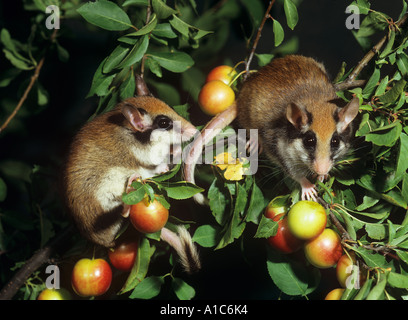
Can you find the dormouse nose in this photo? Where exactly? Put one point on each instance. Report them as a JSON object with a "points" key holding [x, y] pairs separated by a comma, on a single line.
{"points": [[322, 166]]}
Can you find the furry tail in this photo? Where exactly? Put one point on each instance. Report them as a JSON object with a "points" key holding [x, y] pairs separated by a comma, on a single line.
{"points": [[185, 248]]}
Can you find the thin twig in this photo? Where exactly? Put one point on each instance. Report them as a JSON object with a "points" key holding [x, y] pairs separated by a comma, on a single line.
{"points": [[258, 36], [34, 78]]}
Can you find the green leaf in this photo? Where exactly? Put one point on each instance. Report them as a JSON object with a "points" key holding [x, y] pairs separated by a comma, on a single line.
{"points": [[105, 14], [137, 52], [256, 205], [240, 200], [217, 201], [134, 196], [186, 29], [128, 87], [141, 265], [289, 275], [182, 290], [278, 32], [181, 190], [291, 13], [390, 43], [148, 288], [393, 94], [372, 83], [173, 61], [17, 62], [206, 236], [10, 45], [267, 228], [397, 280], [402, 164], [365, 289], [376, 231], [136, 2], [264, 59], [374, 260], [167, 175], [164, 30], [363, 6], [385, 136], [162, 10], [146, 29], [115, 58], [100, 82], [233, 231], [378, 290], [402, 63]]}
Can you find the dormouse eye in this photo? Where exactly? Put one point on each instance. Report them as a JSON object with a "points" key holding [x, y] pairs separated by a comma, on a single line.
{"points": [[335, 142], [164, 122], [309, 141]]}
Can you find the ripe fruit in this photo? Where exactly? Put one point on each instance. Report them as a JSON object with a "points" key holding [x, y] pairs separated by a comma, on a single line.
{"points": [[224, 73], [275, 207], [283, 241], [325, 250], [123, 256], [215, 96], [148, 217], [54, 294], [91, 277], [335, 294], [343, 269], [307, 219]]}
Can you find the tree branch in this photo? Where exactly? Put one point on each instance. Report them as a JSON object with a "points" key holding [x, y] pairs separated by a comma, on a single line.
{"points": [[31, 265], [34, 78], [258, 36], [366, 59]]}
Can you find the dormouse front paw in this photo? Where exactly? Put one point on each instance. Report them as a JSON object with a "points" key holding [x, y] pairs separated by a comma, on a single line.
{"points": [[162, 168], [309, 191]]}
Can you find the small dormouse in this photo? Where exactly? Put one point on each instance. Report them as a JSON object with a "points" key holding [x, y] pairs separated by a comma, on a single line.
{"points": [[108, 153], [300, 123]]}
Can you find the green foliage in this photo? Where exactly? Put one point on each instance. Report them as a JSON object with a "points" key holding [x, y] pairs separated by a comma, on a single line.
{"points": [[172, 44]]}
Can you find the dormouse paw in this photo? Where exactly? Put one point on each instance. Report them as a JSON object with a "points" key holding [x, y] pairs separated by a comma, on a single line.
{"points": [[162, 168], [133, 177], [309, 193]]}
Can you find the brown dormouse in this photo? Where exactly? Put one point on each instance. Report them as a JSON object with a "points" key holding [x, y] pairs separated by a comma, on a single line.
{"points": [[302, 125], [132, 141]]}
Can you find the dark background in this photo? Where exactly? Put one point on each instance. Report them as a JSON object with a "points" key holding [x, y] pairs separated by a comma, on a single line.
{"points": [[43, 139]]}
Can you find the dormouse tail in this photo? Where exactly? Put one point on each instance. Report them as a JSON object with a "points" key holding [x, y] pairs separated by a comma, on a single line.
{"points": [[185, 248]]}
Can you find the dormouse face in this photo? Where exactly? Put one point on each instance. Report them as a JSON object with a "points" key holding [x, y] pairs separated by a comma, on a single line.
{"points": [[322, 136], [157, 128]]}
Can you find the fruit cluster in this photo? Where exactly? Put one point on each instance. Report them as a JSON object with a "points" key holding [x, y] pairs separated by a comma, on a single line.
{"points": [[217, 95], [93, 277], [304, 226]]}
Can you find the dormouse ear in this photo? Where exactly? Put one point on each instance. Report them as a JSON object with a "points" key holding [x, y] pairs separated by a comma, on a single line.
{"points": [[347, 114], [134, 116], [297, 116]]}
